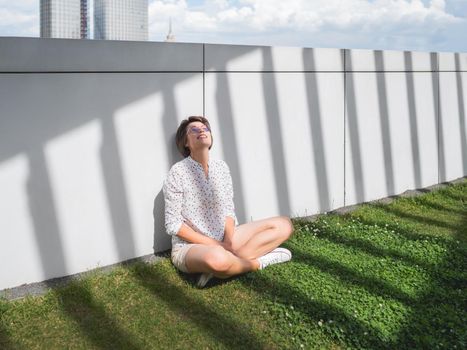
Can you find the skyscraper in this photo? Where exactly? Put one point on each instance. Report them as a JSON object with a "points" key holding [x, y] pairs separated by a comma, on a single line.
{"points": [[121, 19], [64, 19]]}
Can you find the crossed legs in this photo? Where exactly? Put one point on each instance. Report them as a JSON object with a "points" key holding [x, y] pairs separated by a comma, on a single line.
{"points": [[250, 241]]}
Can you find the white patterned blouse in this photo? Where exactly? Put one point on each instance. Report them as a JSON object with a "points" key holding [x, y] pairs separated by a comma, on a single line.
{"points": [[201, 202]]}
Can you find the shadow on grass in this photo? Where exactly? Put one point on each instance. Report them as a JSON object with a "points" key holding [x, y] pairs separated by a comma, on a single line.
{"points": [[425, 202], [437, 318], [80, 306], [369, 248], [414, 218], [5, 342], [345, 327], [347, 275], [220, 327]]}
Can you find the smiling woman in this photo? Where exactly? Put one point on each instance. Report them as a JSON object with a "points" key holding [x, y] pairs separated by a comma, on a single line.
{"points": [[200, 214]]}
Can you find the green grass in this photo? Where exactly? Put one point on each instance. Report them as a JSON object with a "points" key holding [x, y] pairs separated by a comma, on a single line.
{"points": [[385, 276]]}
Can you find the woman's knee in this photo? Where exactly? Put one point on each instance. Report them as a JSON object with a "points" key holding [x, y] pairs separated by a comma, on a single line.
{"points": [[218, 259], [285, 226]]}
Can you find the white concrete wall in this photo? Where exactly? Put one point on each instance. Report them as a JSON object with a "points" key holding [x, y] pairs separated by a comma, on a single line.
{"points": [[391, 123], [87, 136]]}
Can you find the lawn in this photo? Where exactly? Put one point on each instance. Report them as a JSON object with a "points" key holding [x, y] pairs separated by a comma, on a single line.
{"points": [[384, 276]]}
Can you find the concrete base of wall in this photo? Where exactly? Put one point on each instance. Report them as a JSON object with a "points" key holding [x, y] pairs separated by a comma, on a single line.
{"points": [[40, 288], [387, 200]]}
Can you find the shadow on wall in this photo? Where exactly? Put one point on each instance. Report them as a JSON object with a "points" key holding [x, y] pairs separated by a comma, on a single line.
{"points": [[161, 239], [71, 129], [461, 106], [74, 130], [316, 126], [352, 126]]}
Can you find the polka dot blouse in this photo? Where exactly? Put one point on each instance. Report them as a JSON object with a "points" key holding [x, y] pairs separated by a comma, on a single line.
{"points": [[201, 202]]}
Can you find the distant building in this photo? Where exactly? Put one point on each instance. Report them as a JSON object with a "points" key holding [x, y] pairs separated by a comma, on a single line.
{"points": [[170, 36], [121, 19], [64, 19]]}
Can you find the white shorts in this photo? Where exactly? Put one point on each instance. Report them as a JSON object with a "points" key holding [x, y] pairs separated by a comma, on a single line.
{"points": [[178, 256]]}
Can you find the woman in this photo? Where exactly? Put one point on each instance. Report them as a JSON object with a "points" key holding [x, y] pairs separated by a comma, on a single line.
{"points": [[199, 214]]}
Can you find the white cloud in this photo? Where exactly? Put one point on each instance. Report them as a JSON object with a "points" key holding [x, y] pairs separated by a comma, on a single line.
{"points": [[382, 24], [380, 21], [19, 18], [8, 18]]}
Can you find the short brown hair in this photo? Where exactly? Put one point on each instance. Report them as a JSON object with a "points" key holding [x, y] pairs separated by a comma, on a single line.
{"points": [[180, 137]]}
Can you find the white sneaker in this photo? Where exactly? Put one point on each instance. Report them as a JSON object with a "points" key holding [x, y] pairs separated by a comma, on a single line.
{"points": [[204, 279], [278, 255]]}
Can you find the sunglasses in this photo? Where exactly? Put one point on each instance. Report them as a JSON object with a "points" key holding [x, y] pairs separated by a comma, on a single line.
{"points": [[196, 130]]}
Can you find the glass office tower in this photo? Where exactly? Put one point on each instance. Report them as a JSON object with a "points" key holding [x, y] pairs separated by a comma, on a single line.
{"points": [[121, 19], [64, 19]]}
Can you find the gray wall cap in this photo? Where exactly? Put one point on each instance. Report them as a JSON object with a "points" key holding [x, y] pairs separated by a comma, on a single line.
{"points": [[450, 61], [77, 55], [390, 61], [243, 58]]}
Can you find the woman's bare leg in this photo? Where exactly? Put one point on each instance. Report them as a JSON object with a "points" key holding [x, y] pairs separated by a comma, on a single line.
{"points": [[254, 239], [218, 261]]}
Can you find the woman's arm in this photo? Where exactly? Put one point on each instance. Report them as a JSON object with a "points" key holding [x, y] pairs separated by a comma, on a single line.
{"points": [[228, 232], [188, 234], [229, 209]]}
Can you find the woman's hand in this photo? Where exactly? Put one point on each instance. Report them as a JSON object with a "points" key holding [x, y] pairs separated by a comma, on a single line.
{"points": [[227, 245]]}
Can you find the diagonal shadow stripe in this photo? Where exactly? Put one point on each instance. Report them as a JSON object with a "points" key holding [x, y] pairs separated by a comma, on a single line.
{"points": [[218, 326], [436, 206], [5, 342], [278, 291], [440, 308], [414, 217], [103, 331], [347, 275], [376, 251]]}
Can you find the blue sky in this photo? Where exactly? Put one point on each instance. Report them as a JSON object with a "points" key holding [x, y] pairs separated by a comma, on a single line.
{"points": [[421, 25]]}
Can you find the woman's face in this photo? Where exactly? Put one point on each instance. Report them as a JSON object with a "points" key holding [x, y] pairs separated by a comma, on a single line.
{"points": [[198, 136]]}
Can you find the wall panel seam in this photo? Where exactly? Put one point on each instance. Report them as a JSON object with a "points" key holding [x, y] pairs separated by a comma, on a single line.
{"points": [[345, 116], [204, 80]]}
